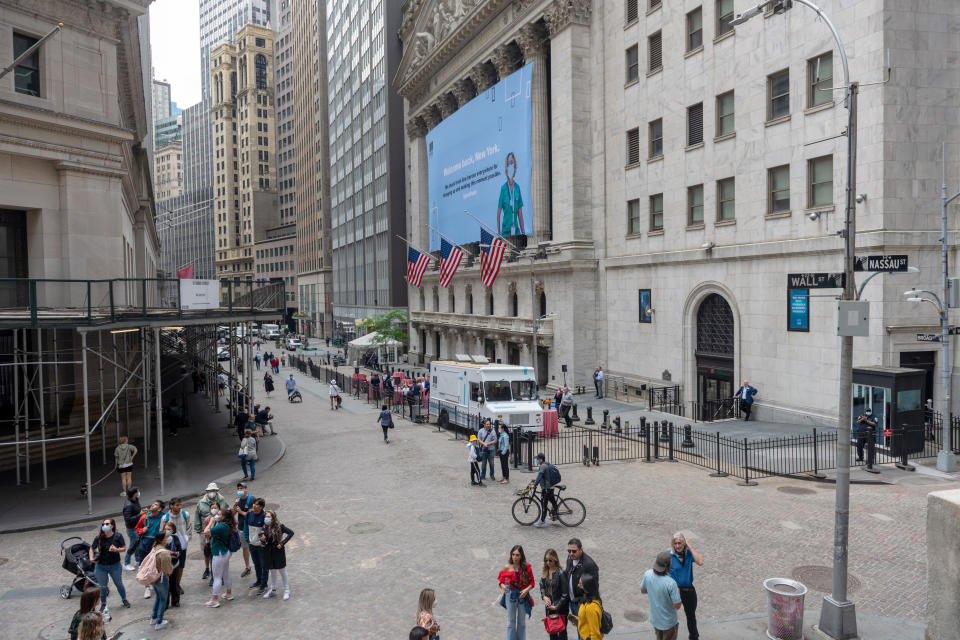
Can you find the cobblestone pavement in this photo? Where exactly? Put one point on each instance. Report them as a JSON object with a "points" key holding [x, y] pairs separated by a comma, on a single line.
{"points": [[377, 522]]}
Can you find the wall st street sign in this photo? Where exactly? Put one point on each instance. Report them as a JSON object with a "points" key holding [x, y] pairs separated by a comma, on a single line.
{"points": [[928, 337], [816, 281], [890, 263]]}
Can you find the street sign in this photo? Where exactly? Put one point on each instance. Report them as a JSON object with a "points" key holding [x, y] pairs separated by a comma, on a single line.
{"points": [[928, 337], [816, 281], [890, 263], [888, 433]]}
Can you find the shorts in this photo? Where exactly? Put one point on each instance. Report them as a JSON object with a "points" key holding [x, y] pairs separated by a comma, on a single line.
{"points": [[244, 543], [126, 469], [207, 550]]}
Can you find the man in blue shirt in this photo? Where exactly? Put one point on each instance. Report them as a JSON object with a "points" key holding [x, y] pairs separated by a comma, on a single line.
{"points": [[664, 597], [746, 393], [682, 559], [488, 441], [291, 385]]}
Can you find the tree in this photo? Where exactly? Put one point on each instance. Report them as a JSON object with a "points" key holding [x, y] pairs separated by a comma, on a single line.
{"points": [[391, 325]]}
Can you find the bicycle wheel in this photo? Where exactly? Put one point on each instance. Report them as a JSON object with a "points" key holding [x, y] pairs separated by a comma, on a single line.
{"points": [[526, 510], [571, 511]]}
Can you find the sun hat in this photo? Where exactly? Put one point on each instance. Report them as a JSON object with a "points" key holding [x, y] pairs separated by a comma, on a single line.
{"points": [[212, 487], [473, 438]]}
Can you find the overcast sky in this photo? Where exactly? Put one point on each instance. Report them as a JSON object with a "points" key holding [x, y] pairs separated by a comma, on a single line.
{"points": [[175, 46]]}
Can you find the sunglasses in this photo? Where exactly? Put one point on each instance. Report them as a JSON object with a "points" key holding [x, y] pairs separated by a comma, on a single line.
{"points": [[572, 550]]}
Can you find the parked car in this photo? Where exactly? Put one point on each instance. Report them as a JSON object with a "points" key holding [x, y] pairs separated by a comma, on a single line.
{"points": [[223, 353], [293, 344]]}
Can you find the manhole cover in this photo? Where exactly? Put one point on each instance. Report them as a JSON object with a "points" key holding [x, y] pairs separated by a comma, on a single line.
{"points": [[436, 516], [365, 527], [56, 631], [796, 491], [820, 578], [635, 616]]}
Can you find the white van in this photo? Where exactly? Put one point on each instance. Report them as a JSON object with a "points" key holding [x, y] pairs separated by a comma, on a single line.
{"points": [[462, 390], [270, 331]]}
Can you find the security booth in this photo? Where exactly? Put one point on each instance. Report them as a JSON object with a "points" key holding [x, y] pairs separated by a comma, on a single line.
{"points": [[896, 396]]}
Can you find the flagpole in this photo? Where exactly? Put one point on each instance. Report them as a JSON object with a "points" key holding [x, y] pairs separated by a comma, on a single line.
{"points": [[507, 243], [410, 244], [448, 239]]}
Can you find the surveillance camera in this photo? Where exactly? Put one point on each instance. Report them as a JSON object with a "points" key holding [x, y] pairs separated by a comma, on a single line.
{"points": [[861, 198]]}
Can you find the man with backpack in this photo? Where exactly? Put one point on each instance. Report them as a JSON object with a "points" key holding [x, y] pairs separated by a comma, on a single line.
{"points": [[548, 477], [147, 528]]}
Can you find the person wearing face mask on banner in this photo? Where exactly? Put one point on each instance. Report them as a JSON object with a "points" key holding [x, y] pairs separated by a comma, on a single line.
{"points": [[211, 500], [510, 205]]}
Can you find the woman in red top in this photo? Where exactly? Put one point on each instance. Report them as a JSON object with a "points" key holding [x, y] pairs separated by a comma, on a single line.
{"points": [[516, 581]]}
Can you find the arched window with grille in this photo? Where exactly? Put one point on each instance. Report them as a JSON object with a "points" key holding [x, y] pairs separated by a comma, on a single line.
{"points": [[260, 64]]}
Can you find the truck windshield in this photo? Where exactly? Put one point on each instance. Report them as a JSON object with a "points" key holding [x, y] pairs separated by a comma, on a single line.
{"points": [[497, 391], [523, 390]]}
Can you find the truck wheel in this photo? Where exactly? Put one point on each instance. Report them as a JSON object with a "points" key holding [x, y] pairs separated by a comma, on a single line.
{"points": [[443, 419]]}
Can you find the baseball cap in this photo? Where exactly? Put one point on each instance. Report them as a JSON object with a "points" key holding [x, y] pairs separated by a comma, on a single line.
{"points": [[663, 562]]}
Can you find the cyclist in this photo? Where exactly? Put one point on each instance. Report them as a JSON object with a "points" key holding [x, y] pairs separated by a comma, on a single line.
{"points": [[544, 479]]}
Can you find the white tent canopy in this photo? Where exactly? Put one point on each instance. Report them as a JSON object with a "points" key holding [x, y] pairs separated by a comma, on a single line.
{"points": [[386, 352], [367, 342]]}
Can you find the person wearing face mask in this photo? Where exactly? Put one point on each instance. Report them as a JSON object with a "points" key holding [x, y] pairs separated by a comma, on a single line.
{"points": [[105, 554], [178, 516], [255, 522], [177, 556], [131, 515], [148, 527], [241, 506], [275, 537], [210, 499], [865, 429], [220, 528], [164, 565]]}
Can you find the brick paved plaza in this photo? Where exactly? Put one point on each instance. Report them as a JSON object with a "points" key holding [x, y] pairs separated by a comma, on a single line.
{"points": [[376, 523]]}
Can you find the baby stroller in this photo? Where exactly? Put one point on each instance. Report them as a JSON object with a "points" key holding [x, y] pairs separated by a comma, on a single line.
{"points": [[76, 560], [294, 396]]}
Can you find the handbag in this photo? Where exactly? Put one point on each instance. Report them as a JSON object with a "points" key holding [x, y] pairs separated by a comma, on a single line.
{"points": [[242, 454], [556, 624]]}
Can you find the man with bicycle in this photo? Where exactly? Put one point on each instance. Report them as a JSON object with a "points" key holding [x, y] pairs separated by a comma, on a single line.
{"points": [[547, 477]]}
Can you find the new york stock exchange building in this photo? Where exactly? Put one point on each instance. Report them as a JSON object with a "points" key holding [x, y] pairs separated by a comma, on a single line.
{"points": [[670, 184]]}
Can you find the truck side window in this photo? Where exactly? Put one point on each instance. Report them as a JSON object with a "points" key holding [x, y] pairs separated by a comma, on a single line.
{"points": [[474, 392]]}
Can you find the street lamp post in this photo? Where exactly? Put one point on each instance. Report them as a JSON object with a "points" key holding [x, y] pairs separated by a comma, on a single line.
{"points": [[838, 617], [946, 460]]}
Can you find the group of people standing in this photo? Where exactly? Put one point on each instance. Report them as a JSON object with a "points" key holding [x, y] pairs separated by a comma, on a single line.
{"points": [[483, 448]]}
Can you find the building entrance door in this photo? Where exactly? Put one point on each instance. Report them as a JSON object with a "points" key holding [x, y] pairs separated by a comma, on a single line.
{"points": [[715, 357]]}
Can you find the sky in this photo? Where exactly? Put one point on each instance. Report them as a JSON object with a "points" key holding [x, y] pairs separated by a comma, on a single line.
{"points": [[175, 47]]}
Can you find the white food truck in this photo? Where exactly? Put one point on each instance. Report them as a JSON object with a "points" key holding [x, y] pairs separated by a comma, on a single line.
{"points": [[462, 390]]}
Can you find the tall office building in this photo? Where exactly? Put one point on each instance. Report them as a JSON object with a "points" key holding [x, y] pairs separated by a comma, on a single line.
{"points": [[168, 171], [161, 100], [243, 127], [310, 155], [366, 159], [284, 66]]}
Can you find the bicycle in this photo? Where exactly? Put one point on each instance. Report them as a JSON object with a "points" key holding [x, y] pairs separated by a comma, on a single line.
{"points": [[528, 506]]}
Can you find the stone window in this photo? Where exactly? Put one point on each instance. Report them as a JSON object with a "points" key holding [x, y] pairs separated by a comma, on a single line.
{"points": [[470, 303], [695, 204], [655, 47], [725, 114], [695, 29], [820, 181], [778, 189], [726, 199], [654, 4], [695, 124], [260, 64], [656, 212], [260, 42], [820, 80], [633, 216], [543, 304], [724, 16], [490, 304], [633, 146], [633, 63], [778, 94], [655, 132], [27, 73]]}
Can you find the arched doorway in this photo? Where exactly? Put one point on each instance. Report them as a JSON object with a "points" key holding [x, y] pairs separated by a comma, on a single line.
{"points": [[715, 355]]}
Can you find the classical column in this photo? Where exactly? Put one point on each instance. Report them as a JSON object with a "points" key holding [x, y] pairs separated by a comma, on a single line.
{"points": [[447, 105], [533, 41], [505, 59], [483, 76], [464, 91], [420, 195], [431, 116]]}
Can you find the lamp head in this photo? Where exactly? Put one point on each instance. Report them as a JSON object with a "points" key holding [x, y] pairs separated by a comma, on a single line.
{"points": [[914, 299], [913, 269], [746, 15], [912, 292]]}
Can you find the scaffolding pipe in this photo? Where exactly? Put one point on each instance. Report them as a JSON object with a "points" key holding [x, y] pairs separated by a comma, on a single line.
{"points": [[86, 422], [126, 397], [157, 385], [26, 406], [146, 400], [43, 426], [103, 432], [56, 380], [16, 402], [116, 383]]}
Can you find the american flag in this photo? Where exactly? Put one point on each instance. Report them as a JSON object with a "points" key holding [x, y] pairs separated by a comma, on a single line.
{"points": [[417, 263], [491, 255], [450, 258]]}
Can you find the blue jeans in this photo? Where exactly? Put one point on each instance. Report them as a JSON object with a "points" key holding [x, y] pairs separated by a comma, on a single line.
{"points": [[516, 616], [487, 458], [253, 467], [575, 609], [104, 571], [161, 588], [133, 541], [256, 554]]}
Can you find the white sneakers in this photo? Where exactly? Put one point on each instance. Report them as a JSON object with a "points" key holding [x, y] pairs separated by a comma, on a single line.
{"points": [[160, 625], [270, 593], [147, 593], [129, 567], [286, 594]]}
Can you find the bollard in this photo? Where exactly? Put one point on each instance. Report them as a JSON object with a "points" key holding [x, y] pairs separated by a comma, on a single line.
{"points": [[670, 445], [664, 434], [606, 419], [575, 417], [616, 423], [589, 419], [719, 473], [687, 440], [529, 453]]}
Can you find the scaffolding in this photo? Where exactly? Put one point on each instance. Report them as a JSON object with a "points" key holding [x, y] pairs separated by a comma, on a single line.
{"points": [[116, 349]]}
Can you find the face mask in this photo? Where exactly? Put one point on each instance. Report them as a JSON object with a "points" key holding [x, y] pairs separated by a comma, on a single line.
{"points": [[267, 520], [106, 528], [169, 533], [211, 494], [216, 516], [239, 494]]}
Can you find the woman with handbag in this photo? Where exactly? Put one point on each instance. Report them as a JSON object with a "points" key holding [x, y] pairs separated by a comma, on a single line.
{"points": [[516, 581], [425, 617], [553, 592], [274, 536], [248, 454]]}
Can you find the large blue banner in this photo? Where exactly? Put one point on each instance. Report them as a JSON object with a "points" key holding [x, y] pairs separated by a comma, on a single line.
{"points": [[479, 160]]}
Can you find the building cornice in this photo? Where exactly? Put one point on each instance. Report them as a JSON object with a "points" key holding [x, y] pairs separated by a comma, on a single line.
{"points": [[40, 118]]}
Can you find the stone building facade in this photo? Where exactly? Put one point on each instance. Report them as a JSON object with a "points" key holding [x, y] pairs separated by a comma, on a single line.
{"points": [[168, 171], [693, 165]]}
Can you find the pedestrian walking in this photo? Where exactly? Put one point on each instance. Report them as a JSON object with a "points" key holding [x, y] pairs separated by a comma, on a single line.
{"points": [[473, 454], [178, 517], [291, 385], [88, 604], [241, 507], [328, 357], [105, 554], [554, 591], [682, 559], [256, 360], [386, 421], [211, 503], [334, 395], [488, 443], [864, 429], [425, 617], [590, 613], [267, 383], [598, 381], [566, 404], [255, 518], [283, 359], [664, 598], [221, 383], [221, 529], [503, 449], [123, 457], [162, 562], [275, 535], [248, 454], [746, 393], [516, 581], [578, 564], [131, 515]]}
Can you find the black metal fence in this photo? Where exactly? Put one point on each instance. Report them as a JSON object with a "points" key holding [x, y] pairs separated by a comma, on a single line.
{"points": [[712, 410], [665, 400], [933, 420]]}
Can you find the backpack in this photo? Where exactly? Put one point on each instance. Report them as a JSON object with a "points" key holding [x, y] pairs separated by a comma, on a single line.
{"points": [[148, 573], [234, 544], [606, 621], [553, 476]]}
